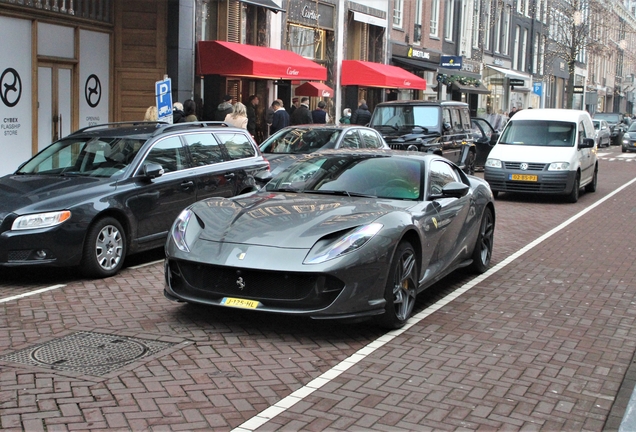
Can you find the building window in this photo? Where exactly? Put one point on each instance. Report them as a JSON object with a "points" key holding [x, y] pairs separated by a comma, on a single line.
{"points": [[487, 27], [526, 8], [535, 54], [449, 20], [524, 49], [398, 8], [306, 41], [515, 54], [417, 30], [434, 18], [476, 14], [505, 37], [498, 27]]}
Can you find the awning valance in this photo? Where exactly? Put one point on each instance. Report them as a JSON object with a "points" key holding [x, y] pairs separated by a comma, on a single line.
{"points": [[269, 4], [315, 89], [234, 59], [369, 74], [480, 89]]}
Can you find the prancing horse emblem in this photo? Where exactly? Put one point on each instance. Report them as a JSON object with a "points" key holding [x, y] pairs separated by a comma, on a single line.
{"points": [[240, 283]]}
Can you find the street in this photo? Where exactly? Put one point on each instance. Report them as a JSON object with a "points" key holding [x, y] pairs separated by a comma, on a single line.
{"points": [[542, 341]]}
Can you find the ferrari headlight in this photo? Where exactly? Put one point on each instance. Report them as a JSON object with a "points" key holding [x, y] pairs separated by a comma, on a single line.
{"points": [[40, 220], [351, 241], [493, 163], [558, 166], [184, 232]]}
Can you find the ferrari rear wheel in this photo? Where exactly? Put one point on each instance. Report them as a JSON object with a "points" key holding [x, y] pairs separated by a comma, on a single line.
{"points": [[401, 287], [483, 246]]}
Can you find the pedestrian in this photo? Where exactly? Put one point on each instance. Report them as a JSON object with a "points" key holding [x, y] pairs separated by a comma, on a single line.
{"points": [[238, 116], [362, 116], [250, 109], [224, 108], [295, 104], [190, 109], [301, 114], [346, 116], [280, 119], [151, 114], [512, 112], [319, 115], [178, 116]]}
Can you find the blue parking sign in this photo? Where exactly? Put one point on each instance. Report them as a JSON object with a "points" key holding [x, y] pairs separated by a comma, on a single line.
{"points": [[163, 92], [537, 88]]}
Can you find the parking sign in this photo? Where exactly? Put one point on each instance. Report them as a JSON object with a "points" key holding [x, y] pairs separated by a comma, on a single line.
{"points": [[163, 92]]}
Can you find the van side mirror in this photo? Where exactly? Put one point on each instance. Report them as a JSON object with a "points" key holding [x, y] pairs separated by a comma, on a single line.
{"points": [[587, 143]]}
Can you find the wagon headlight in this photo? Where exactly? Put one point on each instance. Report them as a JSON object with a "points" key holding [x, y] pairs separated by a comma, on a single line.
{"points": [[493, 163], [184, 231], [558, 166], [350, 242], [40, 220]]}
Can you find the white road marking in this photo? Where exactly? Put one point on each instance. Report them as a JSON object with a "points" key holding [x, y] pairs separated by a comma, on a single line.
{"points": [[146, 264], [30, 293], [297, 396]]}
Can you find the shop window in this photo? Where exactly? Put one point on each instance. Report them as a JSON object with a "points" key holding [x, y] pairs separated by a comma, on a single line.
{"points": [[306, 41]]}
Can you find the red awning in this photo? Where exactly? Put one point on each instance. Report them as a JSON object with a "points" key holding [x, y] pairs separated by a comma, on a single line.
{"points": [[368, 74], [314, 89], [234, 59]]}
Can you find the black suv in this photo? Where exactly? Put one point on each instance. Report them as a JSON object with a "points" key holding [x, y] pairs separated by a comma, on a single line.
{"points": [[110, 190], [442, 128], [617, 123]]}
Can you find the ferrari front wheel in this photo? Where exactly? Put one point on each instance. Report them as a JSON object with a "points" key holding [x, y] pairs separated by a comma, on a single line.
{"points": [[401, 287]]}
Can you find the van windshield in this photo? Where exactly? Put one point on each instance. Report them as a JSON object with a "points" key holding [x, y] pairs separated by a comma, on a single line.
{"points": [[539, 133]]}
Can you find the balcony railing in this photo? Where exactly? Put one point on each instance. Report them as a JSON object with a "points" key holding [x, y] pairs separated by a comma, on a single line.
{"points": [[97, 10]]}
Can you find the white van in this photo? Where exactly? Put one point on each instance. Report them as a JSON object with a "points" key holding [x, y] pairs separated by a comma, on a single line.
{"points": [[544, 151]]}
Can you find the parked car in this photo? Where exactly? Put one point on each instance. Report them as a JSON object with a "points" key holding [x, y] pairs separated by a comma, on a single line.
{"points": [[338, 234], [107, 191], [442, 128], [485, 137], [617, 125], [629, 139], [293, 142], [603, 133], [545, 151]]}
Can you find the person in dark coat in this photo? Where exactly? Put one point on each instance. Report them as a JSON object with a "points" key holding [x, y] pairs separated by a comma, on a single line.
{"points": [[302, 115], [319, 115], [250, 108], [224, 108], [178, 116], [294, 106], [362, 116], [280, 119]]}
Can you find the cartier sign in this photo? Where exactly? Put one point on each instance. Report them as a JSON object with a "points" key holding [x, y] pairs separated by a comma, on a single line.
{"points": [[311, 13]]}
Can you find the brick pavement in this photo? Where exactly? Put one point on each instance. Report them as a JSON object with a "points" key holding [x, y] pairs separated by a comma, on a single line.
{"points": [[542, 344]]}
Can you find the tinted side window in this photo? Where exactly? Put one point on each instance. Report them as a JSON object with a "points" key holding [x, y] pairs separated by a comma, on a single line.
{"points": [[204, 149], [169, 153], [441, 174], [351, 140], [238, 145], [457, 121], [370, 139], [446, 118], [465, 116]]}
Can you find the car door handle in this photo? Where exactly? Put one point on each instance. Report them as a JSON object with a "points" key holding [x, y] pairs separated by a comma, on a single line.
{"points": [[187, 184], [229, 175]]}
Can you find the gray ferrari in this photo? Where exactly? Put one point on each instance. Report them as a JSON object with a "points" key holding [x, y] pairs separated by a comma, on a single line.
{"points": [[337, 235]]}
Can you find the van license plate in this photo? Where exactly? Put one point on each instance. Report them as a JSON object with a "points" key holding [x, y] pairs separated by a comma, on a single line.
{"points": [[524, 177]]}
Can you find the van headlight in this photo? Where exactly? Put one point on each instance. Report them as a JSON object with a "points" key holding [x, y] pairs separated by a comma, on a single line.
{"points": [[559, 166], [493, 163]]}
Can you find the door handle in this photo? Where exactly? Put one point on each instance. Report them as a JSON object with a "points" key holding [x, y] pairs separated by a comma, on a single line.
{"points": [[187, 184], [229, 175]]}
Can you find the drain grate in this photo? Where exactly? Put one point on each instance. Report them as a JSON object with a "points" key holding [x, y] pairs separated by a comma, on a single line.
{"points": [[87, 353]]}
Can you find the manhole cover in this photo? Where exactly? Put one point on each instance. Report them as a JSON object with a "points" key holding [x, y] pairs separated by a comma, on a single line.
{"points": [[87, 353]]}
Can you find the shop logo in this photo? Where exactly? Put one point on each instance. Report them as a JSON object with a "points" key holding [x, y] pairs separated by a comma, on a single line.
{"points": [[93, 91], [10, 87], [325, 93], [407, 83], [292, 71]]}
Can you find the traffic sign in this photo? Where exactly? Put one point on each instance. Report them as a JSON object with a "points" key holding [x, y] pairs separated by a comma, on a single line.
{"points": [[163, 92]]}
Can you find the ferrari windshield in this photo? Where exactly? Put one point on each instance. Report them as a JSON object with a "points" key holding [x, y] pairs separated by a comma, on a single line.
{"points": [[397, 116], [91, 157], [353, 175], [301, 140], [539, 133]]}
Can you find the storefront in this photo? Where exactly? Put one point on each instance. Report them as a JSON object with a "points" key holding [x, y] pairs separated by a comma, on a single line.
{"points": [[420, 62], [464, 84], [508, 89]]}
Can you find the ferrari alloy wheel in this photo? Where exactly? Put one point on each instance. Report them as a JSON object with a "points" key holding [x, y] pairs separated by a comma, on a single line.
{"points": [[483, 247], [105, 249], [401, 287]]}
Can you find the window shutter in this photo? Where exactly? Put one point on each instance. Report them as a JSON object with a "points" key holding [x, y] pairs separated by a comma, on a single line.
{"points": [[234, 21]]}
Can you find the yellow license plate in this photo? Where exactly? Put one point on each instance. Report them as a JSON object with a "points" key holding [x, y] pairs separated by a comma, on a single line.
{"points": [[524, 177], [239, 303]]}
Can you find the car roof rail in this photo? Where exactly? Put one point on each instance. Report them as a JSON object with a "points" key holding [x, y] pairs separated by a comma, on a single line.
{"points": [[190, 125], [119, 124]]}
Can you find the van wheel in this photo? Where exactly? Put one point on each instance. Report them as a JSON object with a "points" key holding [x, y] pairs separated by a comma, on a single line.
{"points": [[591, 187], [573, 196], [495, 194]]}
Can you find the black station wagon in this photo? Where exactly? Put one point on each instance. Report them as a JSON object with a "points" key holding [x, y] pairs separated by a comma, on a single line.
{"points": [[110, 190], [442, 128]]}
